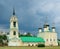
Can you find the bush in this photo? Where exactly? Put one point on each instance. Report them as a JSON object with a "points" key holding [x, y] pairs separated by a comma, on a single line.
{"points": [[41, 45]]}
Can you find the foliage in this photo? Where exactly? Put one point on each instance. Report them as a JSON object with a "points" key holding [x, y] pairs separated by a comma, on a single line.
{"points": [[3, 39], [58, 39], [41, 45], [27, 35]]}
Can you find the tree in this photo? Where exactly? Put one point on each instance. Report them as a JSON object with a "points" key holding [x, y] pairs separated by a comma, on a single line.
{"points": [[28, 34], [3, 40], [4, 37]]}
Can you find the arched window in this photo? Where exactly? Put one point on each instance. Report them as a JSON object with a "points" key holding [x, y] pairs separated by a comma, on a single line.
{"points": [[14, 33], [54, 39], [46, 39], [50, 39], [14, 24], [28, 44]]}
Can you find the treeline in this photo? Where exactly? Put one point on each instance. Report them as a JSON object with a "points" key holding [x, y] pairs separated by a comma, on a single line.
{"points": [[26, 35], [3, 40], [58, 39]]}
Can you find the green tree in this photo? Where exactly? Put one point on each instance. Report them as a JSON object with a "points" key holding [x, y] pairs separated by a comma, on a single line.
{"points": [[3, 40], [28, 34]]}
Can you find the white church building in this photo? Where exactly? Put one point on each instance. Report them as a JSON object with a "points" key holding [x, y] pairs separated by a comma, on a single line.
{"points": [[48, 38]]}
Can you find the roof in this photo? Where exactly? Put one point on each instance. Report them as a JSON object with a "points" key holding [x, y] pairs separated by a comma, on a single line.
{"points": [[53, 27], [39, 28], [32, 39], [45, 25]]}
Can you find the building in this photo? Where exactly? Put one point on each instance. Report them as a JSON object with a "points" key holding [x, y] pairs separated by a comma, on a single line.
{"points": [[49, 36], [15, 40], [2, 33]]}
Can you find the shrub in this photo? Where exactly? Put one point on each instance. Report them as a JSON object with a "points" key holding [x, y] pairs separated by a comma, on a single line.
{"points": [[41, 45]]}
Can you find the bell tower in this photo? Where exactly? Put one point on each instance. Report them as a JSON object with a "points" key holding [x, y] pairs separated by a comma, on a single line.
{"points": [[13, 26]]}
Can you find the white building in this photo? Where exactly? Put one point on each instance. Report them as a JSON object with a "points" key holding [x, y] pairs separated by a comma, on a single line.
{"points": [[50, 37], [2, 33]]}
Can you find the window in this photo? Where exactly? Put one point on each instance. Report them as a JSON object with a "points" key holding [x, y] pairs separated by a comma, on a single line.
{"points": [[28, 44], [54, 39], [14, 24], [50, 39], [14, 33], [46, 39]]}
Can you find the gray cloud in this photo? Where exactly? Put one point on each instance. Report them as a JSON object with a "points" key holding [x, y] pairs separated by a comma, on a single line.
{"points": [[31, 13]]}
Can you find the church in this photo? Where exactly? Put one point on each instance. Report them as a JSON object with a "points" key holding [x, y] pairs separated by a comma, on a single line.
{"points": [[47, 38]]}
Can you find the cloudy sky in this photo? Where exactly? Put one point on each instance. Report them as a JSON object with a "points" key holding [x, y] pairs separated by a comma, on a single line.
{"points": [[31, 14]]}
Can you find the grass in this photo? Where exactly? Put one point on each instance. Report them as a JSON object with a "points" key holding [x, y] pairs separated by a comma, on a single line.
{"points": [[30, 47]]}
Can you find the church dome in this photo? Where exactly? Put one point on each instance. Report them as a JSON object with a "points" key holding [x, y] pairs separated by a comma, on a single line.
{"points": [[46, 25]]}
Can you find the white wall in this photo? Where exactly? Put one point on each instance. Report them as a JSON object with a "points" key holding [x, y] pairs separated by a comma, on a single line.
{"points": [[50, 38]]}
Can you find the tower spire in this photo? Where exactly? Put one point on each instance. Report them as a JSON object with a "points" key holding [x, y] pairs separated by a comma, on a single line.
{"points": [[40, 26], [13, 11], [46, 20], [53, 25]]}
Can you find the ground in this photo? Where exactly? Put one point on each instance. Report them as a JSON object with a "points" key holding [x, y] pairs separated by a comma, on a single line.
{"points": [[30, 47]]}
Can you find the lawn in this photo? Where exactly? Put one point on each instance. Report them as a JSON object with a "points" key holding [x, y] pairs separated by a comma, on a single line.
{"points": [[30, 47]]}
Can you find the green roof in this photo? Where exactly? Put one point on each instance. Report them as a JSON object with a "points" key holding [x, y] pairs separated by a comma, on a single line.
{"points": [[32, 39]]}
